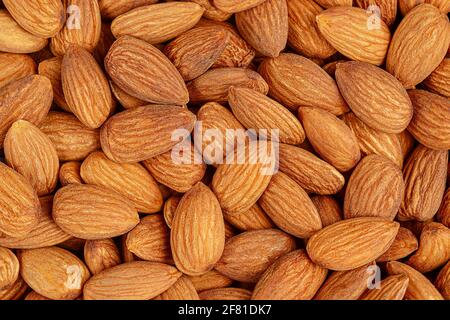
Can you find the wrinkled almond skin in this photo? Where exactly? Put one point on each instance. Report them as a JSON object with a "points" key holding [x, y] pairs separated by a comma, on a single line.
{"points": [[91, 103], [407, 143], [14, 291], [249, 254], [51, 68], [91, 212], [430, 124], [351, 243], [419, 287], [72, 139], [86, 13], [69, 173], [438, 80], [292, 277], [198, 235], [22, 41], [442, 282], [346, 29], [157, 23], [233, 6], [19, 204], [434, 248], [139, 280], [296, 81], [127, 101], [229, 293], [183, 289], [61, 277], [150, 240], [110, 9], [375, 189], [310, 172], [391, 288], [42, 18], [27, 99], [252, 219], [330, 137], [9, 267], [15, 66], [425, 176], [129, 179], [101, 254], [404, 244], [196, 50], [374, 96], [211, 12], [444, 211], [290, 207], [33, 295], [409, 58], [334, 3], [123, 145], [406, 5], [214, 84], [328, 208], [210, 280], [387, 8], [170, 206], [256, 111]]}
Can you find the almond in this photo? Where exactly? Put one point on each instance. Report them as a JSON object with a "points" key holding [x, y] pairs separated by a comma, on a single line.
{"points": [[409, 58], [292, 277], [438, 80], [404, 244], [444, 211], [391, 288], [61, 277], [15, 67], [349, 31], [15, 291], [211, 12], [226, 294], [210, 280], [157, 23], [374, 96], [334, 3], [69, 173], [183, 289], [296, 81], [33, 295], [351, 243], [407, 5], [328, 208], [387, 9], [407, 143], [139, 280], [443, 281], [249, 254], [252, 219], [127, 101], [91, 212], [233, 6], [113, 8], [170, 206], [9, 268], [129, 179], [142, 71], [101, 254], [51, 69]]}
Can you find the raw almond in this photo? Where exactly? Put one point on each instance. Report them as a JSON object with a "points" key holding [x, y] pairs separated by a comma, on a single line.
{"points": [[15, 291], [328, 208], [443, 281], [387, 9], [438, 80], [15, 66], [69, 173], [444, 211], [407, 143], [211, 12], [226, 294], [406, 5], [210, 280], [113, 8], [334, 3], [51, 69], [170, 206], [391, 288], [101, 254], [233, 6], [33, 295], [183, 289], [252, 219], [404, 244], [127, 101], [9, 268]]}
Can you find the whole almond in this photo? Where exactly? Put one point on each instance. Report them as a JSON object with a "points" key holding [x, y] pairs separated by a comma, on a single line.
{"points": [[157, 23], [349, 31], [129, 179], [51, 68], [330, 137], [380, 101], [391, 288], [127, 101], [407, 143], [387, 9], [334, 3], [252, 219], [233, 6], [61, 277], [406, 5], [229, 293], [170, 206], [101, 254], [14, 291], [33, 295], [9, 268], [113, 8], [150, 240], [142, 71], [292, 277], [211, 11], [404, 244], [210, 280], [328, 208], [444, 211], [139, 280], [438, 80], [351, 243], [91, 212], [15, 66], [443, 281], [249, 254], [183, 289], [408, 58], [69, 173], [430, 124], [296, 81]]}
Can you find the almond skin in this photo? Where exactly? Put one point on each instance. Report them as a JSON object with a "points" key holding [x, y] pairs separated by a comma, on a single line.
{"points": [[406, 5], [150, 240], [438, 80], [430, 124], [123, 145], [69, 173], [374, 96], [22, 41], [391, 288], [129, 179], [330, 137], [444, 211], [388, 8], [351, 243], [252, 219], [210, 280], [265, 27], [113, 8], [61, 277], [47, 18], [127, 101], [27, 99], [183, 289], [9, 267], [51, 68], [15, 66], [101, 254], [196, 50], [88, 33], [91, 212], [33, 295], [419, 287], [91, 104], [170, 206], [409, 58], [425, 176], [290, 207], [144, 72], [15, 291], [375, 189], [328, 208], [292, 277], [233, 6], [226, 294], [157, 23], [334, 3], [72, 139], [249, 254], [139, 280], [346, 29], [211, 12], [215, 83], [311, 173], [442, 282], [404, 244], [198, 235], [296, 81]]}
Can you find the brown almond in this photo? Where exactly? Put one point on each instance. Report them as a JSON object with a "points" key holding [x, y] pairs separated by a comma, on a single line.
{"points": [[444, 211], [183, 289], [391, 288], [10, 268], [334, 3], [127, 101], [438, 80], [252, 219], [101, 254], [15, 66], [404, 244], [51, 68], [210, 280], [233, 6], [69, 173], [328, 208], [113, 8], [226, 294], [170, 206], [15, 291], [387, 9], [442, 282]]}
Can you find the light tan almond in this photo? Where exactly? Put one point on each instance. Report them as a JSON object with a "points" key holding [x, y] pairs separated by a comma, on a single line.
{"points": [[328, 208], [334, 3], [444, 211], [438, 80], [9, 267], [391, 288], [407, 143], [51, 68], [183, 289], [210, 280], [442, 282], [15, 66], [252, 219], [226, 294], [113, 8], [127, 101], [101, 254], [406, 5], [104, 43], [170, 206], [233, 6], [33, 295], [211, 11], [15, 291], [404, 244], [69, 173], [385, 9]]}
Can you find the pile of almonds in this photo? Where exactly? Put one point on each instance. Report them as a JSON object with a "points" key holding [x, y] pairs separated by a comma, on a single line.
{"points": [[93, 205]]}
